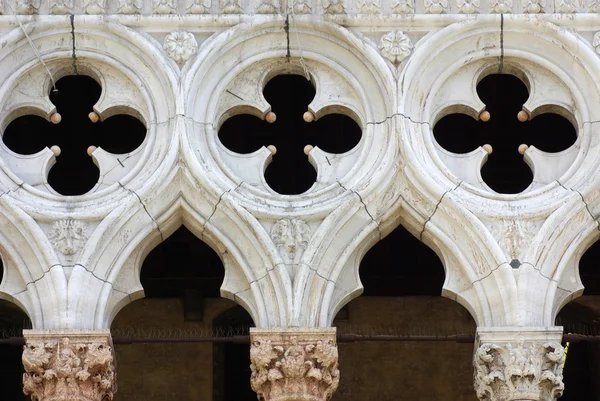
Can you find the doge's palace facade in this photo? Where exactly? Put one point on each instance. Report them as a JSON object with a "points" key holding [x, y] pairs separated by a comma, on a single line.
{"points": [[395, 68]]}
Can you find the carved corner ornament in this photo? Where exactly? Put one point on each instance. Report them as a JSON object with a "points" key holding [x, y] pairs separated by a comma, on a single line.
{"points": [[180, 46], [63, 365], [395, 46], [291, 236], [298, 364], [523, 369], [68, 236]]}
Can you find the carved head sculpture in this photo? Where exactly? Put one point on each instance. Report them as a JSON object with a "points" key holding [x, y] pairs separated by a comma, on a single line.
{"points": [[68, 236]]}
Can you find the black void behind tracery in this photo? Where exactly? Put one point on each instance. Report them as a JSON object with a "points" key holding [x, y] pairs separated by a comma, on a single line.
{"points": [[419, 271], [74, 172], [185, 267], [504, 96], [582, 316], [290, 172]]}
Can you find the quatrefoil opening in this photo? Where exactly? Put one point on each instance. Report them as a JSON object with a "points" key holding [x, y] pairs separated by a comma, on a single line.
{"points": [[290, 171], [74, 169], [509, 167]]}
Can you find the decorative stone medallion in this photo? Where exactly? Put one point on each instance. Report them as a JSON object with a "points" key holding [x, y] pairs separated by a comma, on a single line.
{"points": [[395, 46], [180, 46]]}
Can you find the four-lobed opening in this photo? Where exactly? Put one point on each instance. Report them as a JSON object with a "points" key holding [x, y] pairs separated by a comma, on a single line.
{"points": [[504, 95], [74, 172], [290, 172]]}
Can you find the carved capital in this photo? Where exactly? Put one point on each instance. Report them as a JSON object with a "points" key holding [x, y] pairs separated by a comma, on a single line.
{"points": [[515, 365], [294, 364], [68, 365]]}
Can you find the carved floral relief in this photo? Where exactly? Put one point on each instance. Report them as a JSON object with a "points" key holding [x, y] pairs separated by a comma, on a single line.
{"points": [[65, 370], [519, 371], [299, 365]]}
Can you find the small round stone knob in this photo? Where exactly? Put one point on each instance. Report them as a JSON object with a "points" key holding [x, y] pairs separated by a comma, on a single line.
{"points": [[523, 148], [91, 150], [94, 117], [485, 116], [308, 116], [272, 149], [270, 117], [523, 116], [488, 148], [56, 150], [55, 118], [307, 149]]}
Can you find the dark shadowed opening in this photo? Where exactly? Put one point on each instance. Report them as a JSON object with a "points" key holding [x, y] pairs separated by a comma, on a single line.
{"points": [[290, 171], [582, 367], [403, 280], [181, 279], [12, 322], [401, 265]]}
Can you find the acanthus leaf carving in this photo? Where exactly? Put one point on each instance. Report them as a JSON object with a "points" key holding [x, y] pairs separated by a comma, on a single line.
{"points": [[68, 236], [28, 7], [68, 367], [231, 7], [521, 370], [61, 6], [334, 7], [302, 7], [467, 6], [95, 6], [130, 6], [266, 7], [403, 7], [197, 6], [533, 6], [369, 6], [304, 365], [501, 6], [163, 7], [435, 6]]}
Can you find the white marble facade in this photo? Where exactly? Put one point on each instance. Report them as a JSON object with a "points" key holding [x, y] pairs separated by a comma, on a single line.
{"points": [[292, 261]]}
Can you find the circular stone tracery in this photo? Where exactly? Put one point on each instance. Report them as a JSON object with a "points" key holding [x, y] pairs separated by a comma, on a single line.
{"points": [[289, 131], [505, 171], [75, 172]]}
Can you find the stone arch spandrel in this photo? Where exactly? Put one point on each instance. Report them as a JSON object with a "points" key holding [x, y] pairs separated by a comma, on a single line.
{"points": [[33, 278], [116, 251]]}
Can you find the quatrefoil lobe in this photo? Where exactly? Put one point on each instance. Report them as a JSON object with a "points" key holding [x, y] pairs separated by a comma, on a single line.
{"points": [[74, 172], [289, 96], [504, 95]]}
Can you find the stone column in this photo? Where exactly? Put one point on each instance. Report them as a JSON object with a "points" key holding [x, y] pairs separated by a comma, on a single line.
{"points": [[68, 365], [294, 364], [519, 363]]}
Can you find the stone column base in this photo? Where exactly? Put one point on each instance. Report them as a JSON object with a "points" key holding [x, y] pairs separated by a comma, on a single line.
{"points": [[294, 364], [68, 365], [519, 363]]}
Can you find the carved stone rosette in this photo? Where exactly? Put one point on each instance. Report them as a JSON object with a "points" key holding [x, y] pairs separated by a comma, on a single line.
{"points": [[515, 365], [294, 364], [68, 365]]}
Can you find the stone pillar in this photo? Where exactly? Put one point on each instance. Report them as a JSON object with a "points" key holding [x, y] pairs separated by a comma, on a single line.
{"points": [[68, 365], [519, 363], [294, 364]]}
